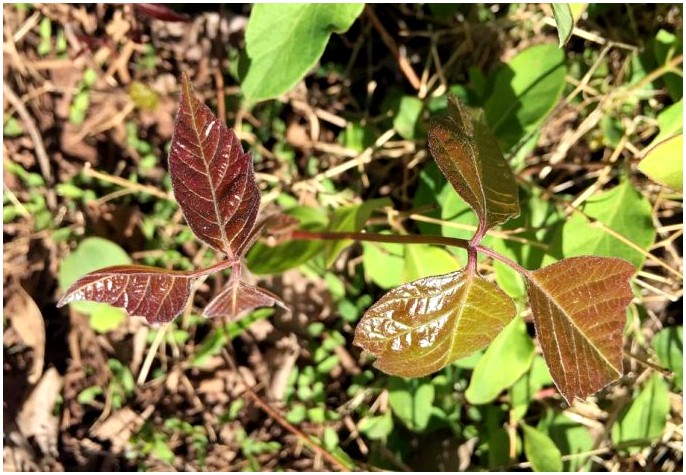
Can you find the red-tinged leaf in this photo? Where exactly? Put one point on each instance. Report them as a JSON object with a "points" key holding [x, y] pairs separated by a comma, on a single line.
{"points": [[471, 160], [237, 299], [158, 295], [422, 326], [160, 12], [213, 179], [579, 309]]}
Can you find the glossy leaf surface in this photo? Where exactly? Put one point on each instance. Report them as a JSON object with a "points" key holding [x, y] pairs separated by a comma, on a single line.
{"points": [[213, 179], [238, 298], [422, 326], [159, 295], [471, 160], [579, 309]]}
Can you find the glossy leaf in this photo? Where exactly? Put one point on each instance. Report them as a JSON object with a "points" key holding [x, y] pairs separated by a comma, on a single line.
{"points": [[664, 163], [579, 309], [504, 362], [541, 451], [471, 160], [644, 420], [284, 41], [420, 327], [237, 299], [213, 179], [159, 295]]}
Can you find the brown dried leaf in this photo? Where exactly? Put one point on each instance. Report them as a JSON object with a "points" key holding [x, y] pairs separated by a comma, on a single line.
{"points": [[213, 179], [27, 321], [579, 309], [159, 295], [471, 160], [422, 326]]}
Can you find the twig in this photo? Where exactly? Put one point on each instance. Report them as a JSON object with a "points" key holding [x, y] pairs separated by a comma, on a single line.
{"points": [[405, 66], [152, 351], [124, 183], [41, 154]]}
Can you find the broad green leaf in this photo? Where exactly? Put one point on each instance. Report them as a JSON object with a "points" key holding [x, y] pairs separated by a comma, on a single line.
{"points": [[624, 211], [669, 346], [667, 46], [376, 427], [90, 255], [420, 327], [406, 120], [670, 122], [263, 259], [524, 92], [664, 163], [566, 16], [284, 41], [412, 402], [526, 387], [350, 218], [570, 437], [505, 361], [384, 263], [423, 260], [579, 309], [644, 420], [469, 157], [541, 451]]}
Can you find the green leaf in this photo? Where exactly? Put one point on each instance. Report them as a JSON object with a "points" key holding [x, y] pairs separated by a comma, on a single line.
{"points": [[471, 160], [570, 437], [263, 259], [420, 327], [664, 163], [423, 260], [579, 309], [90, 255], [384, 263], [624, 211], [350, 218], [669, 346], [524, 92], [376, 427], [670, 122], [12, 128], [411, 402], [505, 361], [566, 16], [89, 394], [284, 41], [644, 420], [541, 451], [526, 387], [667, 46], [406, 120]]}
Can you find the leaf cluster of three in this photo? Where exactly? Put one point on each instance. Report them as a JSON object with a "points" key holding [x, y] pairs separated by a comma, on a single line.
{"points": [[578, 304]]}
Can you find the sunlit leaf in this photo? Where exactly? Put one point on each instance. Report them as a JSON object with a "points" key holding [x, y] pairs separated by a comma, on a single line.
{"points": [[213, 179], [541, 451], [579, 309], [470, 158], [159, 295], [237, 299], [664, 163], [566, 16], [422, 326]]}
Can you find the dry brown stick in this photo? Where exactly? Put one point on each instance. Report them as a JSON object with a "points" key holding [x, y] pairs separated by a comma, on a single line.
{"points": [[405, 66], [32, 129]]}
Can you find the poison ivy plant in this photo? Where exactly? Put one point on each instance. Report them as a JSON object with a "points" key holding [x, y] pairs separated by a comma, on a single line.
{"points": [[578, 304]]}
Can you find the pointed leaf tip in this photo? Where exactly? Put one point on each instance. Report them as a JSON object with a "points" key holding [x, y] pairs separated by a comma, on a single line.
{"points": [[421, 327], [579, 310], [213, 179], [469, 156], [158, 295]]}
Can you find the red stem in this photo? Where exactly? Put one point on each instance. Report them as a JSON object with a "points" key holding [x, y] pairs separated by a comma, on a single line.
{"points": [[215, 268]]}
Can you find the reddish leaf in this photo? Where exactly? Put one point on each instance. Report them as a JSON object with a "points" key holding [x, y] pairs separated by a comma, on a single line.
{"points": [[235, 300], [159, 295], [470, 158], [579, 309], [160, 12], [420, 327], [213, 179]]}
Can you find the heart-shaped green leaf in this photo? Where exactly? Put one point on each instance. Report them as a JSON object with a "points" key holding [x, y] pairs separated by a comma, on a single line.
{"points": [[470, 158], [579, 309], [422, 326]]}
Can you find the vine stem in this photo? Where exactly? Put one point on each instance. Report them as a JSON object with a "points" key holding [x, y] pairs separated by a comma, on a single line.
{"points": [[471, 248]]}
